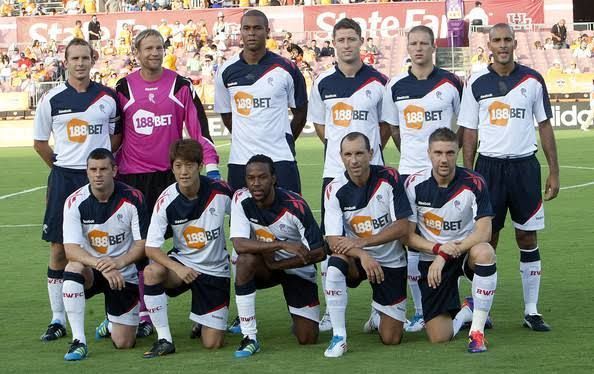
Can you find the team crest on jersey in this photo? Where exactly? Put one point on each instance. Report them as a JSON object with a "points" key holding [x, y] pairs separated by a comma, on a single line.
{"points": [[197, 238], [264, 235]]}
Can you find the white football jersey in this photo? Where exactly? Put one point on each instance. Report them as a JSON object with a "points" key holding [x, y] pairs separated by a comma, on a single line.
{"points": [[447, 214], [289, 218], [198, 226], [106, 229], [503, 109], [344, 105], [80, 122], [418, 108], [354, 211], [259, 97]]}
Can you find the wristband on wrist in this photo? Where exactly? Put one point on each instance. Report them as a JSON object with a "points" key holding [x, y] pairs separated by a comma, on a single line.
{"points": [[436, 248], [444, 255]]}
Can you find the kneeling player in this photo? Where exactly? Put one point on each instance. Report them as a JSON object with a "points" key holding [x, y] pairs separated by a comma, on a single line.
{"points": [[105, 224], [277, 241], [194, 208], [365, 216], [452, 215]]}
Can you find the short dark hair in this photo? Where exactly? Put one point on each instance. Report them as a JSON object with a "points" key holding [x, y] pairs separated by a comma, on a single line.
{"points": [[79, 41], [187, 150], [443, 134], [264, 160], [354, 136], [347, 23], [255, 13], [425, 29], [101, 154], [502, 25]]}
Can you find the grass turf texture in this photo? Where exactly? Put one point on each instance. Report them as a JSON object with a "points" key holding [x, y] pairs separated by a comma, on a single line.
{"points": [[565, 298]]}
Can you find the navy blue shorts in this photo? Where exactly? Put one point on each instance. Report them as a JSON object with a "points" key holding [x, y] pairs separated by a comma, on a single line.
{"points": [[444, 299], [287, 176], [60, 184], [514, 184], [150, 184], [117, 302], [298, 292]]}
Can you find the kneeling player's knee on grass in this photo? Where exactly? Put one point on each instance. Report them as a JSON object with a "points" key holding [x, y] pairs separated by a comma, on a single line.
{"points": [[212, 338], [123, 342], [154, 273], [390, 337], [482, 253], [307, 337], [74, 267]]}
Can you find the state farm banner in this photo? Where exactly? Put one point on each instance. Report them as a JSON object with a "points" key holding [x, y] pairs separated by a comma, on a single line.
{"points": [[60, 27], [388, 19]]}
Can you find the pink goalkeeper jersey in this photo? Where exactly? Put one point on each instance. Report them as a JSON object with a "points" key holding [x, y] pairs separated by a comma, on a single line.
{"points": [[154, 116]]}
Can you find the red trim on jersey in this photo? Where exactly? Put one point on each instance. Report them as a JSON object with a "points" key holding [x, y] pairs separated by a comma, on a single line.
{"points": [[535, 210], [411, 178], [280, 215], [377, 186], [212, 195], [122, 201], [73, 197], [99, 96], [218, 307], [528, 76], [458, 192], [160, 201], [272, 67], [441, 83], [369, 81], [477, 180], [315, 303]]}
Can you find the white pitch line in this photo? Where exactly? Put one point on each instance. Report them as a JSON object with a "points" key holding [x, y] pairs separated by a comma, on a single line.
{"points": [[21, 192], [23, 225], [221, 145], [577, 186]]}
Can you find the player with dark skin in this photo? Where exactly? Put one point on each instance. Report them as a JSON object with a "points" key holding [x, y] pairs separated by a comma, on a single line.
{"points": [[256, 258]]}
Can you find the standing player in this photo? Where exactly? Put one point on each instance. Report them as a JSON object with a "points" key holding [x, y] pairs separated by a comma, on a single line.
{"points": [[194, 208], [417, 102], [365, 216], [452, 215], [157, 103], [82, 115], [347, 98], [252, 93], [278, 241], [105, 224], [499, 106]]}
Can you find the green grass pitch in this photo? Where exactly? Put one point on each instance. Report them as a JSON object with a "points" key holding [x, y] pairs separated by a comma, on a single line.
{"points": [[566, 294]]}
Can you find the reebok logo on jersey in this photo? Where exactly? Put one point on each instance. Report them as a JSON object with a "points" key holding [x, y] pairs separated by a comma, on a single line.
{"points": [[414, 116], [330, 96], [100, 240], [343, 114], [264, 236], [197, 237], [87, 221], [64, 111], [363, 226], [77, 130], [178, 221], [437, 224], [145, 121], [500, 113], [245, 102]]}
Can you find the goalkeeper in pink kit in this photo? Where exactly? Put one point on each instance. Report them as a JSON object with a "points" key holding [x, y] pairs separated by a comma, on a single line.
{"points": [[156, 104]]}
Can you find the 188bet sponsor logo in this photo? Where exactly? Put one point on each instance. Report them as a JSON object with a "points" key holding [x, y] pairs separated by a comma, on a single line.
{"points": [[246, 102], [77, 130], [437, 224], [343, 114], [415, 116], [264, 235], [145, 122], [197, 238], [363, 226], [101, 240], [500, 113]]}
